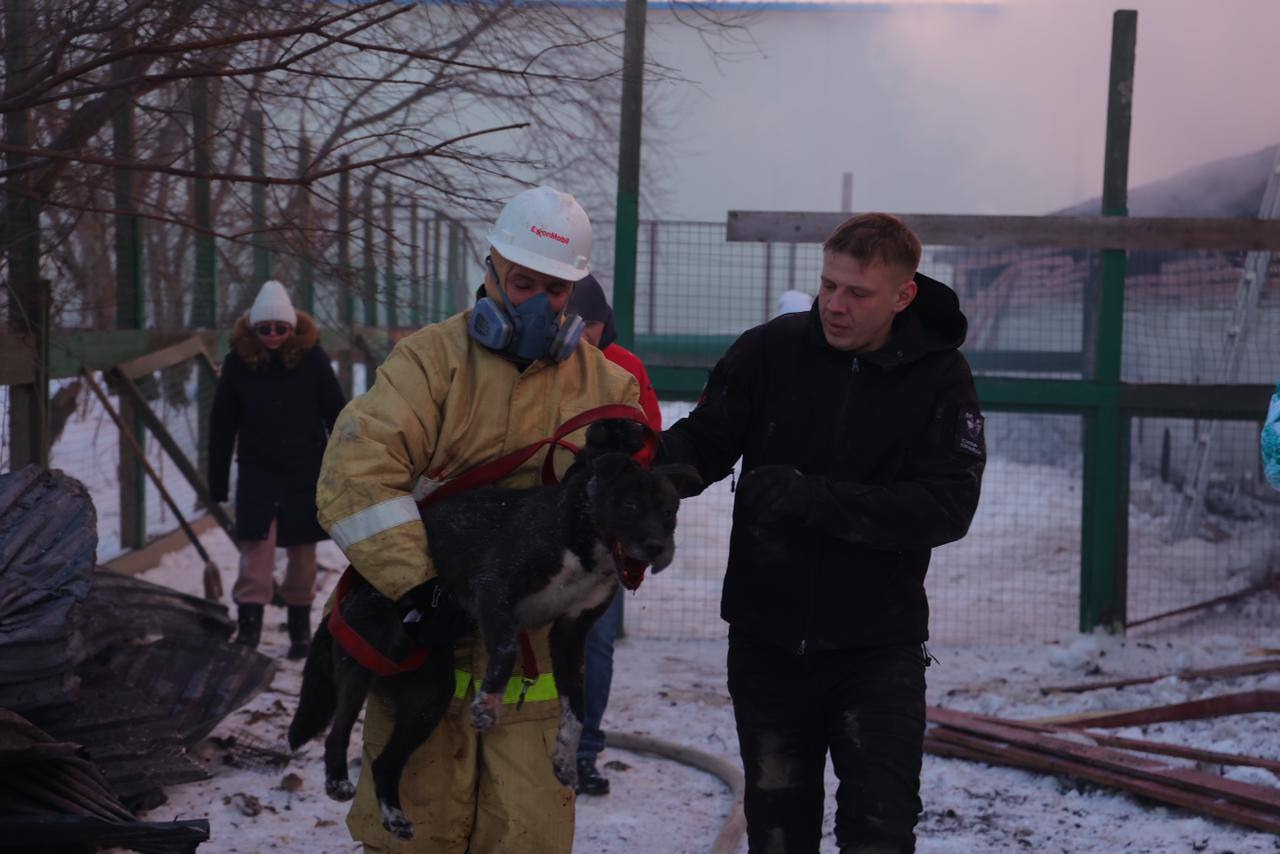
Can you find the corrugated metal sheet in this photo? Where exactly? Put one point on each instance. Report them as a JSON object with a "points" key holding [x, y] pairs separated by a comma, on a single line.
{"points": [[126, 672], [48, 541], [52, 797]]}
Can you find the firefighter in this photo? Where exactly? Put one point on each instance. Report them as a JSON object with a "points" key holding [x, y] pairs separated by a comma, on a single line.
{"points": [[450, 397]]}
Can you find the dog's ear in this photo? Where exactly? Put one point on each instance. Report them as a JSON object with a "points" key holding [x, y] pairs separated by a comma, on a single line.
{"points": [[684, 478]]}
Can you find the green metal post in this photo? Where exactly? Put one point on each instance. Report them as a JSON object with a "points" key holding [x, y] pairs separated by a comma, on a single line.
{"points": [[130, 313], [1105, 529], [628, 216], [389, 257], [258, 201], [204, 302], [307, 263]]}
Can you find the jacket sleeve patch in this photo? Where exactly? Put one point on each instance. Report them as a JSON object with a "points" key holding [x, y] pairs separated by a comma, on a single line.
{"points": [[970, 438]]}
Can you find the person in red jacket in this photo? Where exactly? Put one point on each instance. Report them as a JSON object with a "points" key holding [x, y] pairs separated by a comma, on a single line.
{"points": [[588, 301]]}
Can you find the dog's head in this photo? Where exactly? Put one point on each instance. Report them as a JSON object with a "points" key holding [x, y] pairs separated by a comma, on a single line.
{"points": [[634, 510]]}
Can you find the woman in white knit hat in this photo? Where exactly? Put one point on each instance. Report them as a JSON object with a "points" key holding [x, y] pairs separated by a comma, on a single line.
{"points": [[278, 396]]}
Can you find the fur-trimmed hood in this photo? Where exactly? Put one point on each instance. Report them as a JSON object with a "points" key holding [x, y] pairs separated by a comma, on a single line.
{"points": [[247, 345]]}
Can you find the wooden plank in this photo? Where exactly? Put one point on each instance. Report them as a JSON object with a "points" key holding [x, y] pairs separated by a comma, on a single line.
{"points": [[1158, 747], [1242, 703], [1247, 668], [163, 358], [69, 350], [943, 742], [1257, 797], [1171, 234], [149, 556]]}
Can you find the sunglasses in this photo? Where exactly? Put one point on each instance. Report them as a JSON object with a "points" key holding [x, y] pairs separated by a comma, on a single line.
{"points": [[272, 329]]}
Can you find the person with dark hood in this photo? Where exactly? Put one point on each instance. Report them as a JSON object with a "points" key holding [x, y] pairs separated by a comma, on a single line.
{"points": [[589, 302], [861, 442], [277, 400]]}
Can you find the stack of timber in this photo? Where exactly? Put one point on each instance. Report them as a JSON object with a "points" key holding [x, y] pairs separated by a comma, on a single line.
{"points": [[1112, 761]]}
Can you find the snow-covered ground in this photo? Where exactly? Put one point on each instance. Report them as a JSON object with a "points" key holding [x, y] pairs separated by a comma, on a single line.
{"points": [[675, 690]]}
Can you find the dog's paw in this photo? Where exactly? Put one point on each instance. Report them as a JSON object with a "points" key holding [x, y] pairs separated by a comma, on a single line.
{"points": [[614, 435], [566, 768], [339, 790], [564, 759], [396, 822], [484, 711]]}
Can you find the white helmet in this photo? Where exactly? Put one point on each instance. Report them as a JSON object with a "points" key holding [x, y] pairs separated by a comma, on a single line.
{"points": [[544, 230]]}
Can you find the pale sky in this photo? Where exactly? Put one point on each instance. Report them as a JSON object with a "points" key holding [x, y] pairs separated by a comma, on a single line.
{"points": [[954, 107]]}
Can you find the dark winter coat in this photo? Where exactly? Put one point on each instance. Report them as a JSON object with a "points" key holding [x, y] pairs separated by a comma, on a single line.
{"points": [[891, 444], [278, 409]]}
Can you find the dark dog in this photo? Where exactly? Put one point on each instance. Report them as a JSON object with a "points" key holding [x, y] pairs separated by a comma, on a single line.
{"points": [[515, 560]]}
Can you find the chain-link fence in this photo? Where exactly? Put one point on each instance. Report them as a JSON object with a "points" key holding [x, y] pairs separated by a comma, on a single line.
{"points": [[1018, 573]]}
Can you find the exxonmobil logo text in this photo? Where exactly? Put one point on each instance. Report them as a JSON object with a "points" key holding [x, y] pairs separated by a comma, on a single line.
{"points": [[542, 232]]}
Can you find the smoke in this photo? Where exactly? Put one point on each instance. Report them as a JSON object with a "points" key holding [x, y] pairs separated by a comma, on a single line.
{"points": [[958, 108]]}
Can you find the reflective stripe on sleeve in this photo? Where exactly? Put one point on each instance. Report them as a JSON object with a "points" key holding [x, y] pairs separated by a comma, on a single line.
{"points": [[374, 520]]}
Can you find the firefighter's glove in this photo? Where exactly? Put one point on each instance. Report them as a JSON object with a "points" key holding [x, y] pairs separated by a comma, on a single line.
{"points": [[431, 617], [776, 493]]}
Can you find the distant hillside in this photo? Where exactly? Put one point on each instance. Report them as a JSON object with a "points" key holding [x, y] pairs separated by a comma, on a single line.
{"points": [[1230, 188]]}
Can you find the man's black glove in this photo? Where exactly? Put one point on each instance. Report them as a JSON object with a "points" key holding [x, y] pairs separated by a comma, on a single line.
{"points": [[775, 493], [431, 616]]}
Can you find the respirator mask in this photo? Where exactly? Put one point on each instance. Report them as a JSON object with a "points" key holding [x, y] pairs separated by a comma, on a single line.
{"points": [[527, 332]]}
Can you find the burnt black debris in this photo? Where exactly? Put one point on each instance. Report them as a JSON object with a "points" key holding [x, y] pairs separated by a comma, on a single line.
{"points": [[122, 675]]}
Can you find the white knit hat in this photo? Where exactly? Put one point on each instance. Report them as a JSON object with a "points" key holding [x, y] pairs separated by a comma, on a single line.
{"points": [[793, 301], [273, 304]]}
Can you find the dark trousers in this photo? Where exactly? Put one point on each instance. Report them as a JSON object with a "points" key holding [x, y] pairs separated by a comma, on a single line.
{"points": [[598, 677], [864, 706]]}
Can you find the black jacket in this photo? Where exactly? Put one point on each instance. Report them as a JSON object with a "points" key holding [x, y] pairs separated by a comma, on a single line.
{"points": [[279, 407], [891, 445]]}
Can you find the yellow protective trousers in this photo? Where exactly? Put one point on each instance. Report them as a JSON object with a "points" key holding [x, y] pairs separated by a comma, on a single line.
{"points": [[478, 793]]}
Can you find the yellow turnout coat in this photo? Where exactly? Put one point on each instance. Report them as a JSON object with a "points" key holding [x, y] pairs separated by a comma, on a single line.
{"points": [[442, 404]]}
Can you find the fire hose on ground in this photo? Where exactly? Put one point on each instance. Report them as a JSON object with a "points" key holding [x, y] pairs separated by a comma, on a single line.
{"points": [[735, 825]]}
